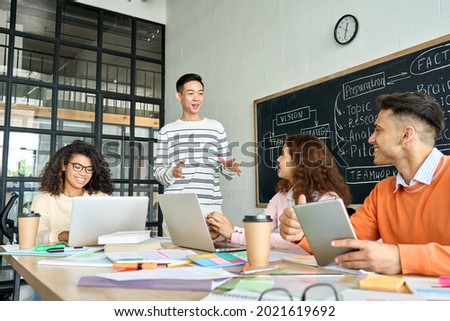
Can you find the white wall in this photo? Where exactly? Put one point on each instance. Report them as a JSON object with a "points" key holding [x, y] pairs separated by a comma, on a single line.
{"points": [[248, 49], [152, 10]]}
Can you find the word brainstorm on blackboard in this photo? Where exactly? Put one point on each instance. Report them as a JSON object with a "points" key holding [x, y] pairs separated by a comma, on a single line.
{"points": [[340, 109]]}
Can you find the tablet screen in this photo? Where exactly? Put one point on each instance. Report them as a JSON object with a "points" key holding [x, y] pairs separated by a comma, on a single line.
{"points": [[323, 222]]}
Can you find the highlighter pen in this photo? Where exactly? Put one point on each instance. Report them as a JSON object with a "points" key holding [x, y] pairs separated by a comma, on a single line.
{"points": [[66, 249], [44, 248], [134, 259], [177, 264], [135, 266]]}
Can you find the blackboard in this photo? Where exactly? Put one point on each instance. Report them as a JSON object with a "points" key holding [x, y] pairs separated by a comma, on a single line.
{"points": [[340, 109]]}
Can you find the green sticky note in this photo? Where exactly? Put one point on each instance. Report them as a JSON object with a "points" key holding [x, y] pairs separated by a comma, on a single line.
{"points": [[254, 285]]}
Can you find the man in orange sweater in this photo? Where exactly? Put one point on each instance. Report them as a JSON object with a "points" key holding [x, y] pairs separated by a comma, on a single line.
{"points": [[409, 212]]}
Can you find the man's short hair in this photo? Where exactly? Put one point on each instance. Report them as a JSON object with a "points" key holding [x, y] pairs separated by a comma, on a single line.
{"points": [[417, 105], [187, 78]]}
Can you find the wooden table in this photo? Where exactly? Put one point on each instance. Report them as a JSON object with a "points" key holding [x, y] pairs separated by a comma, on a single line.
{"points": [[59, 283]]}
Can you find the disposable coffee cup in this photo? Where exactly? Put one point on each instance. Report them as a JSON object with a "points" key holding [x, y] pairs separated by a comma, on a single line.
{"points": [[28, 224], [257, 237]]}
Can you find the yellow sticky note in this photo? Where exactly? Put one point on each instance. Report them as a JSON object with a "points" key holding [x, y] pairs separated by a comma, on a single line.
{"points": [[381, 282]]}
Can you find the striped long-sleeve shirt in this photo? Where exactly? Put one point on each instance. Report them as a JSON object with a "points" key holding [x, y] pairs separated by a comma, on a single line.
{"points": [[200, 143]]}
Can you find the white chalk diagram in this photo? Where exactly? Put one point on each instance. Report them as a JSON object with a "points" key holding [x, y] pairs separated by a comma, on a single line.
{"points": [[354, 116], [272, 142]]}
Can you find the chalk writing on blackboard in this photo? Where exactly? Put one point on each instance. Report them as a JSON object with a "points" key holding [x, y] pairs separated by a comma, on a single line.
{"points": [[341, 111]]}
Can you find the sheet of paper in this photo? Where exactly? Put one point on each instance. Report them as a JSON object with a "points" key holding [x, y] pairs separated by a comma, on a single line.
{"points": [[273, 255], [311, 261], [367, 295], [182, 273], [427, 287], [14, 250], [158, 256], [85, 258], [167, 284], [244, 295]]}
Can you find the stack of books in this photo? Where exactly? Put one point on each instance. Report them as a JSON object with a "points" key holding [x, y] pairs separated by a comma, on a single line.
{"points": [[128, 241]]}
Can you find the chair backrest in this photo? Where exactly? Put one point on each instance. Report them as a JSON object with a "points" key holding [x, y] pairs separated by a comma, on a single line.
{"points": [[8, 225]]}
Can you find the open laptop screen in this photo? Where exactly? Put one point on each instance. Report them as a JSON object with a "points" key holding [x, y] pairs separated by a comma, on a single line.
{"points": [[94, 216]]}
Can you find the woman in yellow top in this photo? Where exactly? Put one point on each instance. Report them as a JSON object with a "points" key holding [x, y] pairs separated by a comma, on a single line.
{"points": [[77, 169]]}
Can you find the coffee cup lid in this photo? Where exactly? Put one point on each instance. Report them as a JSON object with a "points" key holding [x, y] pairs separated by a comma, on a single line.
{"points": [[257, 218], [31, 214]]}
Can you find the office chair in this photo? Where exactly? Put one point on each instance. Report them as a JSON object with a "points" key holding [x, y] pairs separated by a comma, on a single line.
{"points": [[9, 230]]}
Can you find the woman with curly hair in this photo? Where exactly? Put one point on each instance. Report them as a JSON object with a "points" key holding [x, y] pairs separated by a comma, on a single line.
{"points": [[306, 166], [77, 169]]}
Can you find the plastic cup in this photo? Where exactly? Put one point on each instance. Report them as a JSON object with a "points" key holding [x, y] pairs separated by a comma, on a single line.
{"points": [[28, 224], [257, 237]]}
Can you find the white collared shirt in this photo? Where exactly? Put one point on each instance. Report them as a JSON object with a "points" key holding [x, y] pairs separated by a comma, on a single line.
{"points": [[425, 173]]}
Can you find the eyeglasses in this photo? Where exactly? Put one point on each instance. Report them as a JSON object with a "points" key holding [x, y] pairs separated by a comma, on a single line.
{"points": [[77, 167], [304, 294]]}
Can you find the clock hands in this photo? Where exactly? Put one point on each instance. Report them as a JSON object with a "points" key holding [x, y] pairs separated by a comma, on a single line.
{"points": [[346, 28]]}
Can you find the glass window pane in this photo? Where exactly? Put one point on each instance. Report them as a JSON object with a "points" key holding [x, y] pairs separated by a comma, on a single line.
{"points": [[4, 38], [26, 191], [37, 17], [116, 116], [33, 60], [143, 153], [148, 79], [31, 106], [1, 152], [114, 152], [149, 39], [2, 102], [79, 24], [146, 120], [62, 141], [5, 10], [77, 67], [27, 154], [121, 189], [76, 111], [116, 74], [117, 32], [147, 110], [142, 131]]}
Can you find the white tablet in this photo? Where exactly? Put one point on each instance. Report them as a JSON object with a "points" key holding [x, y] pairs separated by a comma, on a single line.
{"points": [[323, 222]]}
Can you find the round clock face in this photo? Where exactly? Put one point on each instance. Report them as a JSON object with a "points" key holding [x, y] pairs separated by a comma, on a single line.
{"points": [[346, 29]]}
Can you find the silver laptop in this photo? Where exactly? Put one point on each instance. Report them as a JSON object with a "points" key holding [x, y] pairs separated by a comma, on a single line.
{"points": [[187, 226], [323, 222], [94, 216]]}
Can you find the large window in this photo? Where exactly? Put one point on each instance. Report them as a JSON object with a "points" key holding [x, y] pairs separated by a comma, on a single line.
{"points": [[97, 76]]}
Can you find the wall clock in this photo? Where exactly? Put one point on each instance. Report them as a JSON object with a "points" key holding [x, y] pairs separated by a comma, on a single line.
{"points": [[346, 29]]}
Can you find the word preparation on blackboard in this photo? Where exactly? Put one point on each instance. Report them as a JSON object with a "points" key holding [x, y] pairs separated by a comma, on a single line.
{"points": [[340, 109]]}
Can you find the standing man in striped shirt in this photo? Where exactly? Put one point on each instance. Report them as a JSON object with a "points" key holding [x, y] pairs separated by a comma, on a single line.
{"points": [[193, 150]]}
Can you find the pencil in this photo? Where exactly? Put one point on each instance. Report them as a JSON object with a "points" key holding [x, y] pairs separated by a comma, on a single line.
{"points": [[259, 270], [246, 267]]}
